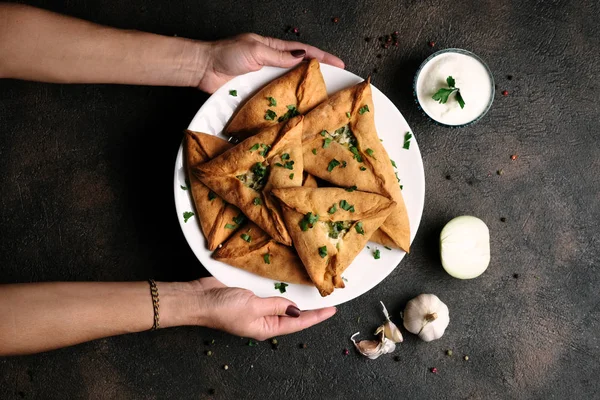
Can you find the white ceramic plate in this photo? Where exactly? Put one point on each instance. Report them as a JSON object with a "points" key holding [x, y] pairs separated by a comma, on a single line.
{"points": [[365, 272]]}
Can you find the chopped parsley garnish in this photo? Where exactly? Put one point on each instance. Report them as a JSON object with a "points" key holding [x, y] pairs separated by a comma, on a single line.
{"points": [[407, 138], [346, 206], [256, 177], [357, 155], [371, 153], [323, 251], [270, 115], [240, 219], [187, 215], [246, 237], [363, 109], [397, 176], [348, 114], [332, 164], [351, 188], [233, 93], [292, 175], [377, 254], [285, 156], [389, 248], [393, 163], [344, 164], [251, 343], [359, 228], [291, 113], [253, 148], [401, 187], [338, 228], [257, 201], [287, 165], [314, 151], [332, 209], [272, 101], [265, 149], [212, 195], [308, 221], [326, 142], [281, 286], [324, 132], [230, 226], [267, 258], [362, 168], [442, 95], [183, 187]]}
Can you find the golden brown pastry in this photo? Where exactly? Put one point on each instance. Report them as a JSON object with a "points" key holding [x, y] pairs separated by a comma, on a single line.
{"points": [[296, 92], [329, 227], [212, 212], [253, 250], [245, 174], [341, 146]]}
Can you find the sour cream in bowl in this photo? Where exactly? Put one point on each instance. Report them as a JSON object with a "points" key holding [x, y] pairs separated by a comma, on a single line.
{"points": [[462, 76]]}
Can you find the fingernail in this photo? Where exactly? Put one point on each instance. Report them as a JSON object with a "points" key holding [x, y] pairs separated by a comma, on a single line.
{"points": [[292, 311], [298, 53]]}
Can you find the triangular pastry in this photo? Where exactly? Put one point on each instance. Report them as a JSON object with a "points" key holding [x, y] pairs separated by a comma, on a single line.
{"points": [[216, 216], [329, 227], [253, 250], [341, 146], [245, 174], [296, 92]]}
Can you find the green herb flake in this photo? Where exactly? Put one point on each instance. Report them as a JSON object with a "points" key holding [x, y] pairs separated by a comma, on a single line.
{"points": [[270, 115], [230, 226], [357, 155], [333, 209], [314, 151], [254, 148], [363, 168], [377, 254], [371, 153], [389, 248], [257, 201], [326, 142], [265, 149], [286, 165], [344, 205], [348, 114], [246, 237], [291, 113], [393, 163], [187, 215], [251, 343], [364, 109], [323, 251], [351, 188], [459, 98], [292, 176], [212, 195], [407, 137], [233, 93], [324, 133], [344, 279], [332, 164], [344, 164], [359, 228], [401, 187], [272, 101], [183, 187], [450, 81], [267, 258], [308, 221], [281, 286], [285, 156], [240, 219], [443, 94]]}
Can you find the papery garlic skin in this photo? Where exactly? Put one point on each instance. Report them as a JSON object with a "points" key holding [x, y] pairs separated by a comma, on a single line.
{"points": [[390, 329], [427, 316], [465, 247], [372, 349]]}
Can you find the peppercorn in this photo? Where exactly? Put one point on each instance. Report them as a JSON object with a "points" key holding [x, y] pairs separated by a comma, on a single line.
{"points": [[434, 370], [516, 276], [346, 352], [514, 157], [209, 353], [379, 55], [502, 219], [431, 43], [500, 172], [396, 358], [448, 177], [466, 358], [303, 345], [449, 352], [375, 70], [295, 30], [335, 20], [225, 367], [509, 77], [505, 93], [274, 341], [367, 39], [211, 391]]}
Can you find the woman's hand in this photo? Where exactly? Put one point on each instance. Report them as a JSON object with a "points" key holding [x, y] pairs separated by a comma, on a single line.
{"points": [[240, 312], [228, 58]]}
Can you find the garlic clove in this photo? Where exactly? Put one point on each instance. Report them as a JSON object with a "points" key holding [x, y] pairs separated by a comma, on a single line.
{"points": [[368, 348], [390, 329]]}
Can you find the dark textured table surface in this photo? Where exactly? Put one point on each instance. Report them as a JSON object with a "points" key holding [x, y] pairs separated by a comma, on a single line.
{"points": [[86, 195]]}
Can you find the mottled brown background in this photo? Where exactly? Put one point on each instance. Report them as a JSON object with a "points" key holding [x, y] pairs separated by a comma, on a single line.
{"points": [[86, 194]]}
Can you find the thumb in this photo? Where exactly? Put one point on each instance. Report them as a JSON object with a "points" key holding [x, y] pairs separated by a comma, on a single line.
{"points": [[266, 55], [277, 306]]}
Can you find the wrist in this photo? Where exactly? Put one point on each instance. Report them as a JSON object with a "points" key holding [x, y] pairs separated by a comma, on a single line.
{"points": [[178, 303], [201, 60]]}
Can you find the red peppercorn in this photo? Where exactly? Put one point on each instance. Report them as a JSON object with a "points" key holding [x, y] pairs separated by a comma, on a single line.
{"points": [[431, 44], [335, 20], [505, 93], [434, 370], [295, 30], [346, 352], [514, 157]]}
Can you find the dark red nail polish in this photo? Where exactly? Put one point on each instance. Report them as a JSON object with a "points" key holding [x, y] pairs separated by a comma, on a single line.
{"points": [[293, 311], [298, 53]]}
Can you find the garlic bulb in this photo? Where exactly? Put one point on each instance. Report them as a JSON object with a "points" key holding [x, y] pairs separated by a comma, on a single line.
{"points": [[426, 316], [389, 329], [465, 247], [374, 348]]}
